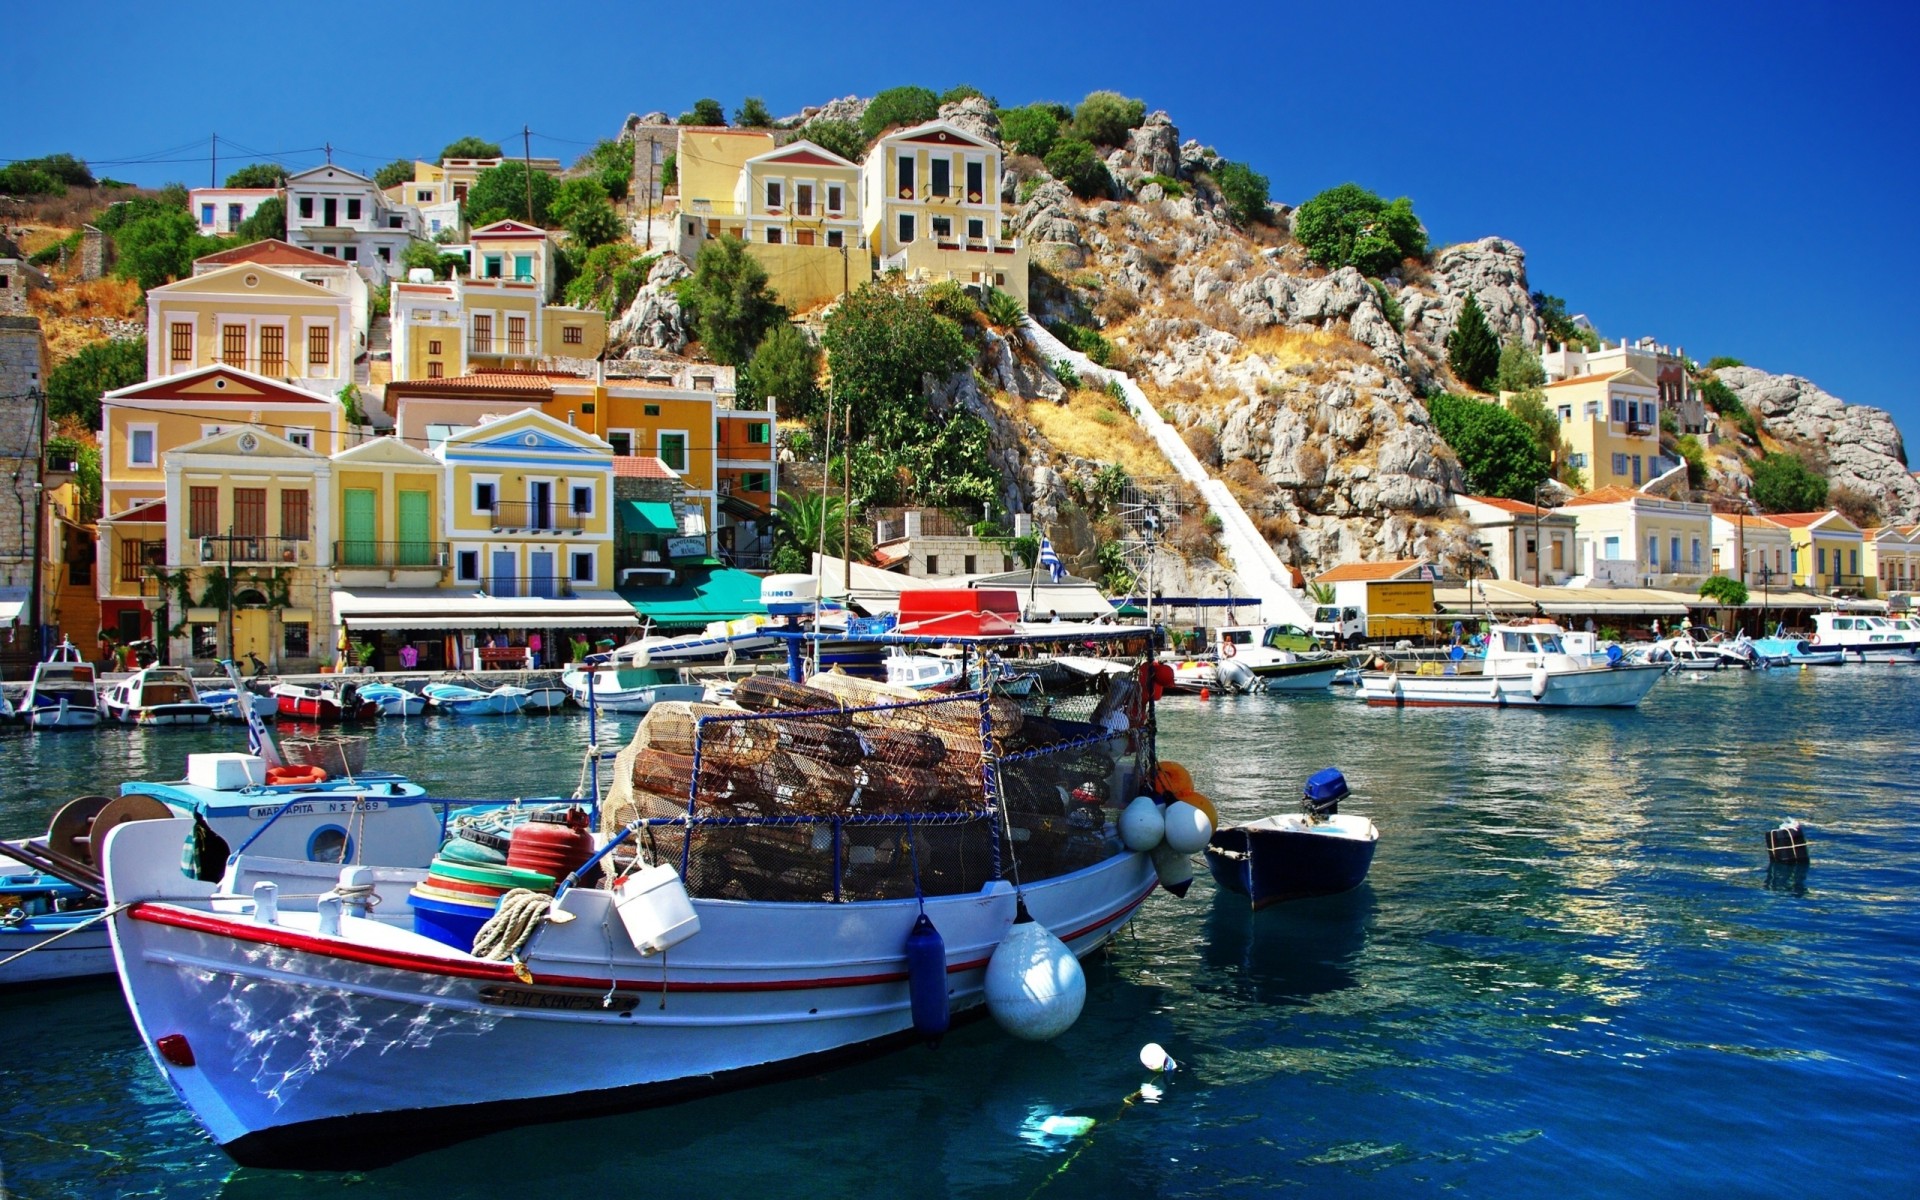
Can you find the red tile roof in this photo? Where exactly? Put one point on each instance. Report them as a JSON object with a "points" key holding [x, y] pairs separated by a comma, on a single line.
{"points": [[1802, 520], [1512, 506], [641, 466], [271, 253], [1390, 569], [1611, 494]]}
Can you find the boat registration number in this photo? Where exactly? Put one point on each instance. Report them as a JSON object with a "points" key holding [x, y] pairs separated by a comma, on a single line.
{"points": [[310, 808], [513, 997]]}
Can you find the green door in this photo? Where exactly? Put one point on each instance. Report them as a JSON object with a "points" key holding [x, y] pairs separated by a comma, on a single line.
{"points": [[416, 547], [360, 545]]}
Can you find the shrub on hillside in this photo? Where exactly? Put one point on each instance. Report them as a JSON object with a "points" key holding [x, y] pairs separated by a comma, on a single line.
{"points": [[468, 147], [1349, 226], [785, 366], [1783, 483], [896, 107], [705, 111], [75, 386], [1856, 506], [1031, 130], [1104, 118], [1722, 360], [267, 221], [1519, 369], [501, 193], [1246, 192], [731, 304], [1472, 350], [258, 175], [395, 173], [1497, 452], [1073, 162], [841, 137]]}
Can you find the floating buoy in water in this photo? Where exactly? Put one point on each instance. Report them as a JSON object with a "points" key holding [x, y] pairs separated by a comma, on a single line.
{"points": [[1187, 828], [1174, 868], [1787, 844], [1155, 1058], [1035, 987], [1206, 694], [927, 980], [1142, 824]]}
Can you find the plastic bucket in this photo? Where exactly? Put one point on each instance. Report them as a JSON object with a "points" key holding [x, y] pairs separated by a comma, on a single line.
{"points": [[446, 922]]}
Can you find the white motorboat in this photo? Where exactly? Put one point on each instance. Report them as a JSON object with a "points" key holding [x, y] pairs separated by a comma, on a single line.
{"points": [[924, 672], [1865, 638], [1526, 665], [156, 696], [64, 693], [786, 954], [716, 642], [628, 689], [472, 702]]}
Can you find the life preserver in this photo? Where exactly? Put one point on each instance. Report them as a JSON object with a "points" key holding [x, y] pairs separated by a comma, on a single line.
{"points": [[1227, 650], [283, 775]]}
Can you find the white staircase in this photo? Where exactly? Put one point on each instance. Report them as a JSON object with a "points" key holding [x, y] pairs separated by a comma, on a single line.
{"points": [[1260, 570]]}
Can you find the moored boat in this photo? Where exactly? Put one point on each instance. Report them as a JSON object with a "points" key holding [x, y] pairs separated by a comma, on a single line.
{"points": [[1316, 851], [64, 693], [156, 696], [627, 689], [1526, 665], [463, 701], [1865, 638], [326, 704], [394, 701]]}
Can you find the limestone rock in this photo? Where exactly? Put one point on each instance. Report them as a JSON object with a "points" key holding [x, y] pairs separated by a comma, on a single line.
{"points": [[1195, 158], [653, 118], [1863, 447], [1154, 147], [1495, 271], [655, 321], [846, 108], [974, 116], [1048, 216]]}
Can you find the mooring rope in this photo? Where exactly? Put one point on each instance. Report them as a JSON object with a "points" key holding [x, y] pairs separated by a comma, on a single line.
{"points": [[102, 915], [521, 912]]}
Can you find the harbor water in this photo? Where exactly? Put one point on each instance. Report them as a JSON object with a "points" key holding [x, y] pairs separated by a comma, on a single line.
{"points": [[1572, 972]]}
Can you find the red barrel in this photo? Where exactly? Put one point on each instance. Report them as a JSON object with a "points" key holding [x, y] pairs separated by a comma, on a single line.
{"points": [[552, 843]]}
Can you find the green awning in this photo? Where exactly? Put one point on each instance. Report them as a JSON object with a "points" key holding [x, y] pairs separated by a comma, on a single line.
{"points": [[702, 596], [647, 516], [696, 560]]}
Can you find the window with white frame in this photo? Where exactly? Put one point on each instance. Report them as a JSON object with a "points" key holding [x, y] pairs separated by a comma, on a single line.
{"points": [[906, 228], [836, 238], [774, 235], [621, 440], [1653, 550], [583, 566], [302, 438], [833, 198], [775, 193], [976, 229], [582, 499], [141, 450], [943, 227], [673, 448]]}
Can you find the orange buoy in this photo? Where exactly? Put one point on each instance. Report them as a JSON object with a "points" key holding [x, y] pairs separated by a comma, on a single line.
{"points": [[1206, 694]]}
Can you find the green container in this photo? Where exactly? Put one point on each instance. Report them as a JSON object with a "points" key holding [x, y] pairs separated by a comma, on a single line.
{"points": [[492, 876]]}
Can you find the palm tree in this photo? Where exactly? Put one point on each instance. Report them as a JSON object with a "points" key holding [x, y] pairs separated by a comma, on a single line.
{"points": [[803, 521]]}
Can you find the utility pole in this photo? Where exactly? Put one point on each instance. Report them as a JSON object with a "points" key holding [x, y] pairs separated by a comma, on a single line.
{"points": [[233, 652], [329, 153], [846, 508], [213, 163], [39, 517], [526, 159]]}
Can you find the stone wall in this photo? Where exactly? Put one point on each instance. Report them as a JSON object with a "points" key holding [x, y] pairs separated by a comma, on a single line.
{"points": [[22, 431], [96, 253]]}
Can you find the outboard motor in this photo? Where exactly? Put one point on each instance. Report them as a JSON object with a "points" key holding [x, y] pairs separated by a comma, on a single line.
{"points": [[349, 701], [1323, 793]]}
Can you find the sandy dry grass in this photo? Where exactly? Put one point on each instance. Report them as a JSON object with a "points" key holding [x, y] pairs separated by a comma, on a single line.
{"points": [[118, 298], [1283, 348], [1091, 425]]}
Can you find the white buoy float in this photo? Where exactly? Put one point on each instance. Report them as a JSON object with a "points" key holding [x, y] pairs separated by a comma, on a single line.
{"points": [[1142, 824], [1539, 687], [1174, 868], [1187, 828], [1154, 1057], [1035, 987]]}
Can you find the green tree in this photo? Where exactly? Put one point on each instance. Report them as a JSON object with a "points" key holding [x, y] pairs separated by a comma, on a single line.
{"points": [[1073, 162], [258, 175], [1728, 593], [395, 173], [267, 221], [1694, 455], [1246, 192], [1030, 130], [727, 293], [965, 91], [612, 164], [500, 193], [1531, 407], [609, 276], [705, 111], [75, 386], [881, 343], [1104, 118], [1349, 226], [1722, 360], [670, 173], [809, 520], [1472, 350], [1496, 449], [898, 106], [426, 255], [468, 147], [1520, 368], [581, 208], [785, 366], [840, 137], [155, 249], [84, 454], [18, 179], [1782, 483], [65, 168], [753, 114]]}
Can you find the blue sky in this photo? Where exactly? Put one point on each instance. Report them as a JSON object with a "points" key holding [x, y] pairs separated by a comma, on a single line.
{"points": [[1735, 179]]}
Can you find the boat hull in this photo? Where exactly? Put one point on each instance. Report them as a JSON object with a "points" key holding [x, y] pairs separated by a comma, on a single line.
{"points": [[1292, 859], [168, 714], [62, 716], [761, 990], [79, 955], [1621, 686]]}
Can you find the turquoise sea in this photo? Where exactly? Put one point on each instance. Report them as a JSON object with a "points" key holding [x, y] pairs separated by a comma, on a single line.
{"points": [[1571, 973]]}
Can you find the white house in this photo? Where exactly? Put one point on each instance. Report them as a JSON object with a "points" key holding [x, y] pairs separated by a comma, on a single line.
{"points": [[341, 214], [1525, 543], [1633, 539], [220, 211]]}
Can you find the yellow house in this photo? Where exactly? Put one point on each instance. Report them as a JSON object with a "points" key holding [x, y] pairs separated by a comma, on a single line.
{"points": [[515, 251], [1751, 548], [930, 205], [1893, 558], [1626, 538], [529, 503], [709, 163], [800, 219], [1612, 424], [256, 318], [1827, 553], [247, 525], [389, 516], [447, 329]]}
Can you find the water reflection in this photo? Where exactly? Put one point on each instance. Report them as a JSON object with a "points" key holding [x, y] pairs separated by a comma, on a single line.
{"points": [[1289, 953]]}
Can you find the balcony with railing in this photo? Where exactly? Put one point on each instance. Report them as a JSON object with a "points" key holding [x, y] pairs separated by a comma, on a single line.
{"points": [[390, 556], [537, 517], [248, 550]]}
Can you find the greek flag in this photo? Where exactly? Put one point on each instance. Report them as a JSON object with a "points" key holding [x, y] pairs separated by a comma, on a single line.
{"points": [[259, 741], [1051, 561]]}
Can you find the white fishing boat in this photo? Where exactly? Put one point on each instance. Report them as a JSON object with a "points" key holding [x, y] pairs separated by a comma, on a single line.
{"points": [[793, 919], [156, 696], [463, 701], [64, 693], [1865, 638], [1526, 665], [738, 638], [627, 689]]}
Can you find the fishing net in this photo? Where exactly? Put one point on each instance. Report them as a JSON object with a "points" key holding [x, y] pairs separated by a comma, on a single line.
{"points": [[871, 789]]}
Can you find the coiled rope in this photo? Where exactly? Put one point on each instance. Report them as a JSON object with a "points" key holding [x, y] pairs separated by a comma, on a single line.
{"points": [[521, 912]]}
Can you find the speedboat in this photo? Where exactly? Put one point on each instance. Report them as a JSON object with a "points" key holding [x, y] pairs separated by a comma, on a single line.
{"points": [[326, 704], [627, 689], [156, 696], [1526, 665], [1317, 851], [465, 701], [924, 672], [63, 694], [803, 927], [394, 701], [1865, 638]]}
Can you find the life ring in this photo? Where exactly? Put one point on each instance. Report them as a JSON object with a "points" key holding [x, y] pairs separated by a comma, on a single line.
{"points": [[1227, 650], [277, 776]]}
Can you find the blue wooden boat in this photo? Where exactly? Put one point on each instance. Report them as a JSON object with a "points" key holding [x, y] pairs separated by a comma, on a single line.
{"points": [[472, 702], [1291, 856]]}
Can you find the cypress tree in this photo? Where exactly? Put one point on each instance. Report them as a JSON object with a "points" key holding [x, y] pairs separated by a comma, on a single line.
{"points": [[1472, 350]]}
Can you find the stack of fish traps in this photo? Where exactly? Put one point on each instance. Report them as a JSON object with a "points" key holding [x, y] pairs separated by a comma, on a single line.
{"points": [[845, 788]]}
